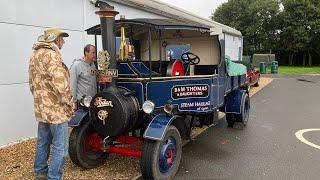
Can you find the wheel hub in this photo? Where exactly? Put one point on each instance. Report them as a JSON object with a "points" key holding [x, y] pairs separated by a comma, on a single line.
{"points": [[167, 155], [93, 142]]}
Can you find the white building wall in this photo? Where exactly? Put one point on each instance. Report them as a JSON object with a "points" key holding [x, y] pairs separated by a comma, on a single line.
{"points": [[21, 22]]}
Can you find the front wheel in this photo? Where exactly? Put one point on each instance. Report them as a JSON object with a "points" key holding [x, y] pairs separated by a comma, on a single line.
{"points": [[85, 146], [161, 159]]}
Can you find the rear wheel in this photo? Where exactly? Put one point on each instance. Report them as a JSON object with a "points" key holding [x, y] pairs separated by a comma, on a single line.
{"points": [[161, 159], [85, 146], [243, 117], [230, 117]]}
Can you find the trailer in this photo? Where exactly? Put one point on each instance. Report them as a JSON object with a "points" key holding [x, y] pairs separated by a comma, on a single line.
{"points": [[158, 80]]}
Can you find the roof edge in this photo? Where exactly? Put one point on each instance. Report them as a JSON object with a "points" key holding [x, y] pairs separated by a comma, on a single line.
{"points": [[155, 6]]}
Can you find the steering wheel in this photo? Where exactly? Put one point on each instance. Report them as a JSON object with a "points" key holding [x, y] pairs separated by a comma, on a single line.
{"points": [[190, 58]]}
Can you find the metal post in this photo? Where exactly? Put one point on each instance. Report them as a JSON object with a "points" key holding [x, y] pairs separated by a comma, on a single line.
{"points": [[160, 50], [96, 63], [95, 44], [149, 44]]}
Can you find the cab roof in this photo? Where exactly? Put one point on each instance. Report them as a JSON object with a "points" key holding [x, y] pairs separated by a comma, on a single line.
{"points": [[154, 24]]}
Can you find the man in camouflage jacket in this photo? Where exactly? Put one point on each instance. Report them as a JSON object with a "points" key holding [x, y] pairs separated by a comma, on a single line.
{"points": [[50, 86]]}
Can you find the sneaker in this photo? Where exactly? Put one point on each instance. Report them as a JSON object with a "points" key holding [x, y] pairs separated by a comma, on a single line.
{"points": [[41, 176]]}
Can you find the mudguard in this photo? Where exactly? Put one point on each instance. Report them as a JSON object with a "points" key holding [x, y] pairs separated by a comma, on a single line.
{"points": [[158, 126], [234, 101], [77, 117]]}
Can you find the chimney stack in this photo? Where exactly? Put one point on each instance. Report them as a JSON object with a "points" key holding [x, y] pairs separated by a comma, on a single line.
{"points": [[107, 22]]}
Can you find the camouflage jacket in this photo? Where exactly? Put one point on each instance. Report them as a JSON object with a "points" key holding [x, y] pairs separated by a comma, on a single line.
{"points": [[50, 85]]}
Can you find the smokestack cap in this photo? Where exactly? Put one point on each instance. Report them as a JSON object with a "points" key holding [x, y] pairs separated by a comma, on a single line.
{"points": [[107, 12]]}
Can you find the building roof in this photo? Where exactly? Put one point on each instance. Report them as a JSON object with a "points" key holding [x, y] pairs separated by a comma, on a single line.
{"points": [[154, 23], [172, 12]]}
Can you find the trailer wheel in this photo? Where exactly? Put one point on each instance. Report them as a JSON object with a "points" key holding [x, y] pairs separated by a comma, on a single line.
{"points": [[85, 146], [257, 83], [243, 117], [161, 159], [248, 87], [230, 117]]}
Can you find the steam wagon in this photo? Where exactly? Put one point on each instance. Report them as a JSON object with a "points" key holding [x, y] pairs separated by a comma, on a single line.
{"points": [[157, 81]]}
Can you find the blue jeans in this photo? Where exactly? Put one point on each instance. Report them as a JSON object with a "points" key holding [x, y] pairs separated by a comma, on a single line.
{"points": [[57, 135]]}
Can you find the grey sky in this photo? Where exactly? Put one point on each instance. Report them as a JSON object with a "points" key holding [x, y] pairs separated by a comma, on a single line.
{"points": [[203, 8]]}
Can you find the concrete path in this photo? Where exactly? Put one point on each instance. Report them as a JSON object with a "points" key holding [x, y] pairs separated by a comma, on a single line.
{"points": [[268, 147]]}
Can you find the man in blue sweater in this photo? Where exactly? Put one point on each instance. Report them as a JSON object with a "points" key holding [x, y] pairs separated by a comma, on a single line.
{"points": [[82, 74]]}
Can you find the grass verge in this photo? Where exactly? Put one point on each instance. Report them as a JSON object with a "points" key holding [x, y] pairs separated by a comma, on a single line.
{"points": [[297, 70]]}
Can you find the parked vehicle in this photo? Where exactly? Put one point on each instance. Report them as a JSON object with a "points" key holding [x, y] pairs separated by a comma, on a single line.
{"points": [[253, 76], [153, 92]]}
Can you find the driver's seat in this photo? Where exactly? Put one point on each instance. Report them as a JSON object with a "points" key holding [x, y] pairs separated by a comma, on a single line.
{"points": [[175, 68]]}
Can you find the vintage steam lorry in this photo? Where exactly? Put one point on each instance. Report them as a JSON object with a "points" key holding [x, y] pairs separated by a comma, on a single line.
{"points": [[153, 92]]}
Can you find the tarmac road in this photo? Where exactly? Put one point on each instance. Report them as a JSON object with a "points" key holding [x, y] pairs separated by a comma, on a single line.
{"points": [[267, 148]]}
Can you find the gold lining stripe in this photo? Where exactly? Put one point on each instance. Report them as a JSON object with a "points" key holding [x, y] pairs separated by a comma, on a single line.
{"points": [[168, 78]]}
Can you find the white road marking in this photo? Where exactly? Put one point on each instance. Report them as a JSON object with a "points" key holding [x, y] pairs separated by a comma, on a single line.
{"points": [[299, 135]]}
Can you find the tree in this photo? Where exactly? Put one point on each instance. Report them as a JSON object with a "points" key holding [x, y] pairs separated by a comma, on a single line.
{"points": [[292, 30], [300, 28], [314, 23], [255, 19]]}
